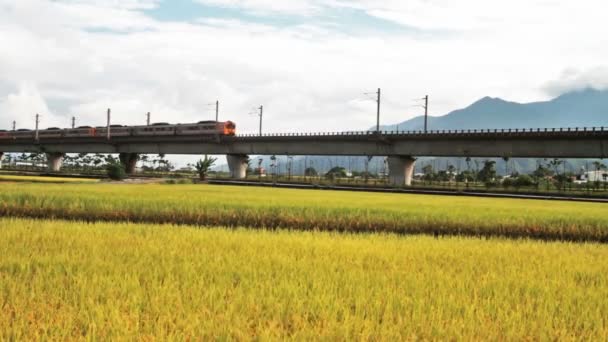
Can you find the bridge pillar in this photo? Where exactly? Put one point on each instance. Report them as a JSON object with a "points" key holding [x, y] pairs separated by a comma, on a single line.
{"points": [[129, 161], [237, 163], [401, 170], [54, 161]]}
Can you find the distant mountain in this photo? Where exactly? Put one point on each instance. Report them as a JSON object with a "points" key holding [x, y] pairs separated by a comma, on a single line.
{"points": [[588, 107], [585, 108]]}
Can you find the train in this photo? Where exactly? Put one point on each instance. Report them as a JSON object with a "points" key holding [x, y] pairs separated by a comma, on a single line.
{"points": [[201, 128]]}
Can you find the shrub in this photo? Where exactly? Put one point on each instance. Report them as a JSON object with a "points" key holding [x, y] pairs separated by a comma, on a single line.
{"points": [[524, 180], [116, 171]]}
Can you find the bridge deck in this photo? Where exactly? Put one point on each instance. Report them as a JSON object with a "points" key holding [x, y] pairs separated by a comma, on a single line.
{"points": [[545, 143]]}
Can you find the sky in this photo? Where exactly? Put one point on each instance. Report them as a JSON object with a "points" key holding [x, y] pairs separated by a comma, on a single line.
{"points": [[310, 63]]}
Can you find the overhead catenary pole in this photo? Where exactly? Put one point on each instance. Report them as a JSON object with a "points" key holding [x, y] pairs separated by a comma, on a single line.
{"points": [[217, 111], [108, 125], [37, 124], [73, 122], [148, 119], [261, 116], [426, 113], [378, 113], [14, 125]]}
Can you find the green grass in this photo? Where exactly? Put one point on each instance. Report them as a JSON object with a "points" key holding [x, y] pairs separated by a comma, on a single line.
{"points": [[308, 210], [66, 281]]}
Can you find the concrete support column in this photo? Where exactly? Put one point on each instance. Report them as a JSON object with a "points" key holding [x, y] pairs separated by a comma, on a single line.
{"points": [[401, 170], [1, 158], [54, 161], [237, 163], [129, 161]]}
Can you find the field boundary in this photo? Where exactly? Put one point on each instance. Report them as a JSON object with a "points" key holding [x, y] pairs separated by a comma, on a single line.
{"points": [[211, 220], [472, 193]]}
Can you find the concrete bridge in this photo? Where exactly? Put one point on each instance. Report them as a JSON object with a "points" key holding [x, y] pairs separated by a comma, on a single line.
{"points": [[401, 148]]}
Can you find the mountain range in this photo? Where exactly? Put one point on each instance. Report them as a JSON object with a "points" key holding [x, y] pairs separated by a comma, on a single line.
{"points": [[583, 108]]}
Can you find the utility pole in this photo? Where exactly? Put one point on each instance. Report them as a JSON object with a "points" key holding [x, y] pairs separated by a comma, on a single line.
{"points": [[426, 113], [378, 113], [37, 124], [108, 125], [148, 119], [73, 122], [261, 115], [14, 125], [217, 111]]}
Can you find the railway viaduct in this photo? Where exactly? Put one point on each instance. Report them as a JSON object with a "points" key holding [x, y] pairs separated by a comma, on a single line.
{"points": [[401, 148]]}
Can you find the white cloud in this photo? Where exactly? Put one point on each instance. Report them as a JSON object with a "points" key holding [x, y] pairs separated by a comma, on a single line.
{"points": [[309, 78], [573, 79]]}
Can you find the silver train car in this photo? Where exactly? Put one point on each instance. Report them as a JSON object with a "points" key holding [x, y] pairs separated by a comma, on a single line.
{"points": [[202, 128]]}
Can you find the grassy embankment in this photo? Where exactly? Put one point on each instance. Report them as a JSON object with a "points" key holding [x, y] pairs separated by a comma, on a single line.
{"points": [[67, 281], [308, 210]]}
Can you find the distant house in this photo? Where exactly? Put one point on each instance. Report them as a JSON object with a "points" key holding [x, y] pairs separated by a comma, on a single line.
{"points": [[259, 171], [594, 176]]}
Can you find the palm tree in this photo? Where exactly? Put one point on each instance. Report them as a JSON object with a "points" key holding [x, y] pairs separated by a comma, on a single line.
{"points": [[506, 160], [451, 172], [203, 166]]}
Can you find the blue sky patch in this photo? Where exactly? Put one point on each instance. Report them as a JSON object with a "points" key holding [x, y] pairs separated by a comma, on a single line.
{"points": [[346, 20]]}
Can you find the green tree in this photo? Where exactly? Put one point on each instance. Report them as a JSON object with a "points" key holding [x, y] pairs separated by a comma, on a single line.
{"points": [[203, 166], [310, 172], [465, 176], [451, 171], [116, 171], [336, 172], [429, 173], [523, 181], [488, 173], [560, 180]]}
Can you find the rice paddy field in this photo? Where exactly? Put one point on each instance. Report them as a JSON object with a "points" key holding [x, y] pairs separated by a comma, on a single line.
{"points": [[64, 280], [38, 179], [231, 206], [198, 262]]}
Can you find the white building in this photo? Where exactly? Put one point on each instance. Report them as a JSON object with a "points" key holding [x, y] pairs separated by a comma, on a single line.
{"points": [[594, 176]]}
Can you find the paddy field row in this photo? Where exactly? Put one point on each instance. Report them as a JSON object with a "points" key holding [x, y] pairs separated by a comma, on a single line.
{"points": [[74, 280], [271, 208]]}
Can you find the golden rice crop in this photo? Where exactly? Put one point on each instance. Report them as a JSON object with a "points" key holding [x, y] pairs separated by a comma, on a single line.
{"points": [[308, 210], [67, 281], [39, 179]]}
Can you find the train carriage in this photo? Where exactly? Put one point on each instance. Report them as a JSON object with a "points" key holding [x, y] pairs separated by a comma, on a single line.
{"points": [[157, 129], [23, 134], [82, 131], [200, 128], [115, 131], [52, 132]]}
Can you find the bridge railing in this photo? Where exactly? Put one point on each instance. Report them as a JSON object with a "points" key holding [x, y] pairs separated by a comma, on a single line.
{"points": [[501, 131]]}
